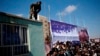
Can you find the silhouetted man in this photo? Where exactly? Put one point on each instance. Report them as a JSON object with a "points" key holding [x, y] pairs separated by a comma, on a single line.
{"points": [[35, 9]]}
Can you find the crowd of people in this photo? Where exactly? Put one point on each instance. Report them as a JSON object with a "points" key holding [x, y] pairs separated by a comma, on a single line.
{"points": [[76, 49]]}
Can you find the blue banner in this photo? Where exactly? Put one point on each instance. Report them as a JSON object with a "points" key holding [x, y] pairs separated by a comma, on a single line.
{"points": [[63, 32]]}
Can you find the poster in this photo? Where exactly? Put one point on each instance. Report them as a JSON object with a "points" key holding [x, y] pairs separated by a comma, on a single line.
{"points": [[63, 32], [83, 34]]}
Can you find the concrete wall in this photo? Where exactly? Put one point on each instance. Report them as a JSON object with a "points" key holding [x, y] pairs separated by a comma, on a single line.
{"points": [[35, 32]]}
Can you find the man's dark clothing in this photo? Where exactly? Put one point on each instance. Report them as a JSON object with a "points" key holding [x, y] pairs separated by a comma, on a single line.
{"points": [[34, 10]]}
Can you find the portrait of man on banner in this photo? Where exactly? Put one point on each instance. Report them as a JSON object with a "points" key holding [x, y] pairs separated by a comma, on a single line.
{"points": [[83, 35]]}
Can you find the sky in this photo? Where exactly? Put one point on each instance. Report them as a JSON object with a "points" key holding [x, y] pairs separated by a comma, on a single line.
{"points": [[85, 13]]}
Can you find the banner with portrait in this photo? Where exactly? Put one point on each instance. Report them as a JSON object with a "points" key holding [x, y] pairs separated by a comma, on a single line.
{"points": [[83, 34]]}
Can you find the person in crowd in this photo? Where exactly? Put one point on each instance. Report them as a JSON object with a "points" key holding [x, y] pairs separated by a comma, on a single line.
{"points": [[54, 52], [68, 49], [61, 52]]}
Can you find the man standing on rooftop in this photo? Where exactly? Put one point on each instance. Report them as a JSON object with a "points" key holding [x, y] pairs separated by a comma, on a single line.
{"points": [[35, 8]]}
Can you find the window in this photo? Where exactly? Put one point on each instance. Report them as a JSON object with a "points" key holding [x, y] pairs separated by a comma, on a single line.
{"points": [[20, 50], [5, 51], [10, 35], [13, 39], [24, 34], [0, 34]]}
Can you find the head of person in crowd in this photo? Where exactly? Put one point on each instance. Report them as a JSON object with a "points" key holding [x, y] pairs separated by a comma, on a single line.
{"points": [[54, 52]]}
